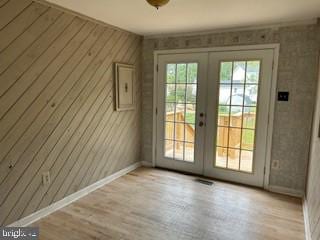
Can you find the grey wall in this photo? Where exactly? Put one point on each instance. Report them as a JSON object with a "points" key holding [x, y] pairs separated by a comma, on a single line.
{"points": [[313, 189], [56, 105], [297, 74]]}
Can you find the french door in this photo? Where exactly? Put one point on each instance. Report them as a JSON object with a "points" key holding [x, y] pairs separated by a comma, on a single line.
{"points": [[213, 113], [180, 115], [237, 115]]}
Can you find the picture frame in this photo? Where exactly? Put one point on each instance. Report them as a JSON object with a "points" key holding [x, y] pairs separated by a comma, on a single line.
{"points": [[124, 86]]}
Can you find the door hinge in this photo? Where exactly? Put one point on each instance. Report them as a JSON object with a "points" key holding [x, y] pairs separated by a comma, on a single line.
{"points": [[157, 67], [264, 170], [156, 111]]}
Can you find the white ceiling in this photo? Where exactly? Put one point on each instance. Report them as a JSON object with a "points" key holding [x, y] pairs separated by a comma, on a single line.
{"points": [[181, 16]]}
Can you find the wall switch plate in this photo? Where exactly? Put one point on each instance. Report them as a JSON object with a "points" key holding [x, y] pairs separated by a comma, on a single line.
{"points": [[275, 164], [283, 96], [46, 178]]}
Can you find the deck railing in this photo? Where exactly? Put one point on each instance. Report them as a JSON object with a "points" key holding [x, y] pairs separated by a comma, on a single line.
{"points": [[187, 134]]}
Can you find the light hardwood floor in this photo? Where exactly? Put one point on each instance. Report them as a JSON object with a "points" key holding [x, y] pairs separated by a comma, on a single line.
{"points": [[158, 204]]}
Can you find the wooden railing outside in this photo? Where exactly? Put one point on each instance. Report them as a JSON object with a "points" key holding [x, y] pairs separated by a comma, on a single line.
{"points": [[189, 131], [223, 134]]}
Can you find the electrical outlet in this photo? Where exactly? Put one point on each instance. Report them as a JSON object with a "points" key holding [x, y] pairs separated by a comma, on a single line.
{"points": [[275, 164], [46, 178]]}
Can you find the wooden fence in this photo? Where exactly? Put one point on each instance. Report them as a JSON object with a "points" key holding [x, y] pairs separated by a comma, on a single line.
{"points": [[187, 132]]}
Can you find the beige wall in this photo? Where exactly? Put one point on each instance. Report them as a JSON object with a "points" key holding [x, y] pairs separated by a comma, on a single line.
{"points": [[297, 74], [56, 106], [313, 189]]}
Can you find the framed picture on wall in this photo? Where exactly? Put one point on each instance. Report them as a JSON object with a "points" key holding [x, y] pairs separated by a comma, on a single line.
{"points": [[124, 78]]}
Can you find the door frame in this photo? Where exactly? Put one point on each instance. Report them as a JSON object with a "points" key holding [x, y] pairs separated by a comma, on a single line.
{"points": [[275, 47]]}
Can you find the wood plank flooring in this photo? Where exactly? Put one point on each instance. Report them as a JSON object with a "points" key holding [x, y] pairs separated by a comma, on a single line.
{"points": [[158, 204]]}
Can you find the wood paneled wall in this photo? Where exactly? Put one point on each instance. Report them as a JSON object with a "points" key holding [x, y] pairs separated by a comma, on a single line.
{"points": [[56, 105], [313, 189]]}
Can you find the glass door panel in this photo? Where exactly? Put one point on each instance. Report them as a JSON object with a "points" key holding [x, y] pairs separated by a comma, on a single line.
{"points": [[181, 79], [238, 95], [181, 96]]}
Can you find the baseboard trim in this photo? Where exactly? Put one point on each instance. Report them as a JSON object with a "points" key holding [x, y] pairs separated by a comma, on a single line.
{"points": [[73, 197], [147, 164], [306, 219], [286, 191]]}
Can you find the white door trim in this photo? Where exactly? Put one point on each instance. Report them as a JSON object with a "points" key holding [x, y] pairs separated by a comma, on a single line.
{"points": [[275, 47]]}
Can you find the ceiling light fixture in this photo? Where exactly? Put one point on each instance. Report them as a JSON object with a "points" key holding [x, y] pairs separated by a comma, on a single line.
{"points": [[157, 3]]}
